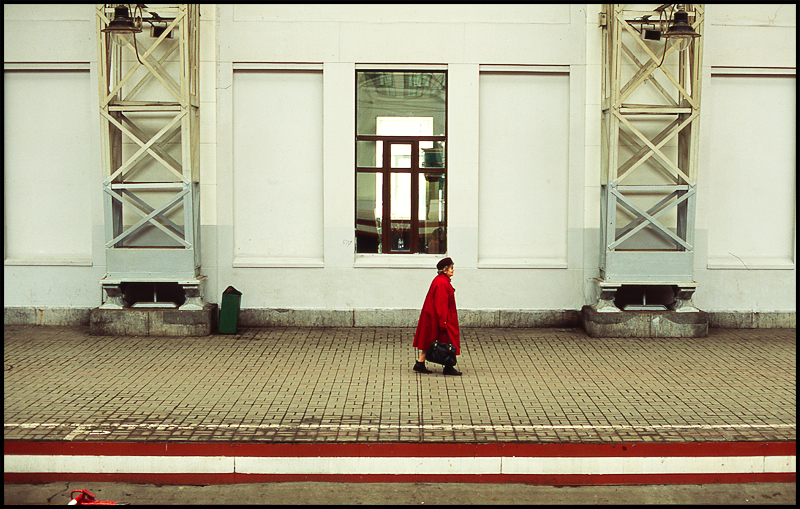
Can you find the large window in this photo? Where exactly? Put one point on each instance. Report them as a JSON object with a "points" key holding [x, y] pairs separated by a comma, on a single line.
{"points": [[400, 162]]}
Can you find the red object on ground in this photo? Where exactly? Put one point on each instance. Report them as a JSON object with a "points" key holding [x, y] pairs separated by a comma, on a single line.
{"points": [[86, 497]]}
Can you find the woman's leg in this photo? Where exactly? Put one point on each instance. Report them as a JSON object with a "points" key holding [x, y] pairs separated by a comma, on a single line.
{"points": [[419, 367]]}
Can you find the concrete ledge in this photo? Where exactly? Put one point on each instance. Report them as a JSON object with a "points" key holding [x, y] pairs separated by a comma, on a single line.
{"points": [[644, 324], [540, 318], [153, 322], [387, 317], [753, 319], [45, 316], [477, 317], [29, 315], [295, 318]]}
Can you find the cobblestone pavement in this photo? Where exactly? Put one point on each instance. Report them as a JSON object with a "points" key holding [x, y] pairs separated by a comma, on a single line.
{"points": [[294, 384]]}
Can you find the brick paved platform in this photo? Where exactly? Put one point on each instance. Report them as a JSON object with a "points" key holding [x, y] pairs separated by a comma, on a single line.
{"points": [[356, 385], [536, 406]]}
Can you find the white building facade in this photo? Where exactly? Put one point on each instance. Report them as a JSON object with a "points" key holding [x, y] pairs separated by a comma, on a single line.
{"points": [[285, 179]]}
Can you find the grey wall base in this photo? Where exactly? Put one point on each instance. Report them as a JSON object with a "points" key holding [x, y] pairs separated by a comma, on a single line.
{"points": [[644, 324], [153, 322], [752, 320], [402, 318], [45, 316]]}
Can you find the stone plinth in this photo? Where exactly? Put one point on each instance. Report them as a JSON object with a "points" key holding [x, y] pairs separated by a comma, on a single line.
{"points": [[644, 324], [153, 321]]}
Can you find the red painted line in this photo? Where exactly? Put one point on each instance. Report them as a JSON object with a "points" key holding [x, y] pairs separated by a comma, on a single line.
{"points": [[534, 479], [399, 449]]}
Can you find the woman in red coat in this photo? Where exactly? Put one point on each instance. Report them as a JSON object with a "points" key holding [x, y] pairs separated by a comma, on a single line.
{"points": [[438, 317]]}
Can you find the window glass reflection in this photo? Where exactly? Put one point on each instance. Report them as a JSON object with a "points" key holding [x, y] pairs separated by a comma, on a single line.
{"points": [[369, 190], [399, 94], [432, 238]]}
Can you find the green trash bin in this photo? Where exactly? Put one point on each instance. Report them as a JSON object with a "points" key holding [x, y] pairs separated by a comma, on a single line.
{"points": [[229, 311]]}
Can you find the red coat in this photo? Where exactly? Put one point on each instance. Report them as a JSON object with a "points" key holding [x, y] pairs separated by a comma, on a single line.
{"points": [[438, 312]]}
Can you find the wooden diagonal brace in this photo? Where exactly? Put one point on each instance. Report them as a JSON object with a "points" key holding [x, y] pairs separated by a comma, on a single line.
{"points": [[148, 76], [147, 209], [623, 200], [107, 99], [656, 149], [656, 84], [156, 71], [654, 211], [147, 218], [641, 150], [144, 146], [628, 89], [157, 146]]}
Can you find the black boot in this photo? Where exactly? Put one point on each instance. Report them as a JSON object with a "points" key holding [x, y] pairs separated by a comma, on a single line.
{"points": [[419, 367], [450, 370]]}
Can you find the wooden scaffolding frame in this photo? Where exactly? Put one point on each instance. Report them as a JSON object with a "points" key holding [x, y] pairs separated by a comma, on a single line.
{"points": [[672, 100], [126, 116]]}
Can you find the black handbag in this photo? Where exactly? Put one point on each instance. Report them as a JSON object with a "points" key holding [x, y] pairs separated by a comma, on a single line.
{"points": [[441, 353]]}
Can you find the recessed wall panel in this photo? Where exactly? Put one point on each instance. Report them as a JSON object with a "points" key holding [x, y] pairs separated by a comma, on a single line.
{"points": [[523, 174], [51, 170], [752, 179], [277, 165]]}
